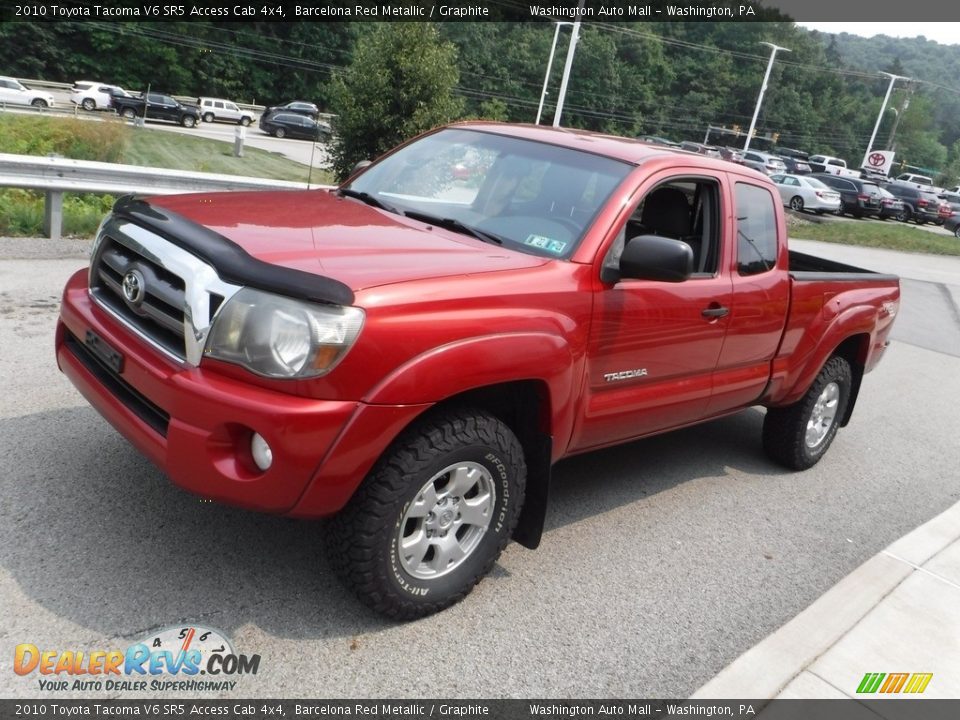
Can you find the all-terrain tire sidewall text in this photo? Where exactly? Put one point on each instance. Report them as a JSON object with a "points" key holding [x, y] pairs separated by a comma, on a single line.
{"points": [[364, 538]]}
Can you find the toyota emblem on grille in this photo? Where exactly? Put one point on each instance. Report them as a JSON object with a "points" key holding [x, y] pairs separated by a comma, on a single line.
{"points": [[133, 287]]}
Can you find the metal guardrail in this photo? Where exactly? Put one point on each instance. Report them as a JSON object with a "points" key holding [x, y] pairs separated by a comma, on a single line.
{"points": [[56, 175]]}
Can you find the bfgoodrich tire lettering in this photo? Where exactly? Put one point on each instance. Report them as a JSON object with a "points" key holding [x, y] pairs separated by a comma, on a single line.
{"points": [[465, 461], [798, 435]]}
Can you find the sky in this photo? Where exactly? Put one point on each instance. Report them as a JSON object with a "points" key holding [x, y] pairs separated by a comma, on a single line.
{"points": [[946, 33]]}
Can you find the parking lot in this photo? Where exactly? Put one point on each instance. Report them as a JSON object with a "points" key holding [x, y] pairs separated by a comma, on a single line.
{"points": [[662, 560]]}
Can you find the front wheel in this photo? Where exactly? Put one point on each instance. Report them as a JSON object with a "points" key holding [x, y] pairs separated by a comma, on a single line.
{"points": [[956, 231], [245, 121], [796, 203], [89, 104], [40, 104], [798, 435], [128, 113], [432, 517], [188, 121]]}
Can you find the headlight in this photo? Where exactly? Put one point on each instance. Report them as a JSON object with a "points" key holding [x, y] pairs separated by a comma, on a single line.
{"points": [[280, 337]]}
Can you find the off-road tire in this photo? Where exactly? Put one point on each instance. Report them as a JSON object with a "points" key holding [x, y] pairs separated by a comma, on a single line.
{"points": [[363, 539], [785, 430]]}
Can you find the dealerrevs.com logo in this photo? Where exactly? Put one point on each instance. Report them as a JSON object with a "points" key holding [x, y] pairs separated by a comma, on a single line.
{"points": [[893, 683], [186, 659]]}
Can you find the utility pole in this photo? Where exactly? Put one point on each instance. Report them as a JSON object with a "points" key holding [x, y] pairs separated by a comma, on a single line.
{"points": [[763, 89], [883, 107], [896, 123], [546, 77], [571, 49]]}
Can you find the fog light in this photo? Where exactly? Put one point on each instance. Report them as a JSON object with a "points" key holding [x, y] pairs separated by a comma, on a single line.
{"points": [[262, 454]]}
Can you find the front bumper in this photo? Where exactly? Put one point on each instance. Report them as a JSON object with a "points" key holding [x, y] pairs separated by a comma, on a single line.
{"points": [[196, 424]]}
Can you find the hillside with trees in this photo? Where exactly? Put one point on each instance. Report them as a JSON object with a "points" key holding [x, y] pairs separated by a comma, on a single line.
{"points": [[671, 79]]}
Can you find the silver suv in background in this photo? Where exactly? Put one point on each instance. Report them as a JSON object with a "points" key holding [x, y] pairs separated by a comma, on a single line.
{"points": [[219, 110], [764, 162]]}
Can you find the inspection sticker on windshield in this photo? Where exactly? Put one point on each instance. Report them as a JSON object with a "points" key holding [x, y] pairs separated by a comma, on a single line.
{"points": [[544, 243]]}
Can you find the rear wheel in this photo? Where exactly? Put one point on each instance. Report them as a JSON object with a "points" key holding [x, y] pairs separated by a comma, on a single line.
{"points": [[956, 231], [798, 435], [280, 133], [796, 203], [88, 104], [128, 113], [208, 117], [904, 214], [432, 517], [245, 121]]}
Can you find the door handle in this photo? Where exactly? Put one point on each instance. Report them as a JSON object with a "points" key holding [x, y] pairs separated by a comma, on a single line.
{"points": [[715, 311]]}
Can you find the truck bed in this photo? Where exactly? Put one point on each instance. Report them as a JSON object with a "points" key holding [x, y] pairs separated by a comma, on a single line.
{"points": [[805, 267]]}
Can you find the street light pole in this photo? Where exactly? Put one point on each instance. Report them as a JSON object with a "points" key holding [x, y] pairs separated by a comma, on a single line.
{"points": [[546, 77], [763, 89], [574, 36], [883, 107]]}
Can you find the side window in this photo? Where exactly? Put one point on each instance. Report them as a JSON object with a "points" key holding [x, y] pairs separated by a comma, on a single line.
{"points": [[218, 105], [756, 230], [685, 209]]}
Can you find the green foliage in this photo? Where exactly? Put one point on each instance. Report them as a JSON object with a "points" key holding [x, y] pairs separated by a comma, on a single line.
{"points": [[400, 84], [892, 235], [67, 137], [21, 213]]}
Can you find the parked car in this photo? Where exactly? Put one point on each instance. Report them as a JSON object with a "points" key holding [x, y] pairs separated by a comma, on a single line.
{"points": [[764, 162], [13, 92], [796, 166], [657, 140], [731, 155], [700, 148], [920, 182], [831, 166], [297, 106], [92, 95], [800, 192], [953, 225], [859, 198], [921, 206], [413, 363], [288, 124], [890, 205], [156, 106], [218, 110]]}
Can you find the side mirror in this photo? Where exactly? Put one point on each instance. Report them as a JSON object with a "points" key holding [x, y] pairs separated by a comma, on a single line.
{"points": [[651, 257]]}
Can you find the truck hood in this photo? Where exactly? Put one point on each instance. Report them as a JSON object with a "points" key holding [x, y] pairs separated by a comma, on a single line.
{"points": [[341, 238]]}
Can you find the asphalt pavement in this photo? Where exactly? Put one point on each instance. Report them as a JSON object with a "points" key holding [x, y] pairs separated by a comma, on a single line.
{"points": [[663, 560]]}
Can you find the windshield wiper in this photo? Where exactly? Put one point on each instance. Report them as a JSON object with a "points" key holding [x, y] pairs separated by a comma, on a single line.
{"points": [[456, 226], [368, 199]]}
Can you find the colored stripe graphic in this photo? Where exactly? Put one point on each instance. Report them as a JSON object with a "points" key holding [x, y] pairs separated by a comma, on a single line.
{"points": [[918, 682], [894, 683], [870, 682]]}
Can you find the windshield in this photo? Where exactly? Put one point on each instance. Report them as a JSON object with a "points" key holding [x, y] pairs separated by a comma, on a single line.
{"points": [[529, 196]]}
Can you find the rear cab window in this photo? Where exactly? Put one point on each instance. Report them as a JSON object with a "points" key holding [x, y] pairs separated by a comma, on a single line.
{"points": [[756, 219]]}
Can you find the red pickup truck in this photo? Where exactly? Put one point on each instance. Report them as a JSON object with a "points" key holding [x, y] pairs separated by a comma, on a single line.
{"points": [[411, 352]]}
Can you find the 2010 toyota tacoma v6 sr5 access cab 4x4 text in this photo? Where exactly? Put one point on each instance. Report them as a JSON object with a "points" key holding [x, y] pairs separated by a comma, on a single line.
{"points": [[411, 352]]}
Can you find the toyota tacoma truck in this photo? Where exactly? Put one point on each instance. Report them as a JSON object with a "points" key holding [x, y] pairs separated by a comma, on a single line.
{"points": [[411, 352]]}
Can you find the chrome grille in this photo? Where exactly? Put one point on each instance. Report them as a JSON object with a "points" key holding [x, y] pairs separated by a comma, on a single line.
{"points": [[176, 295]]}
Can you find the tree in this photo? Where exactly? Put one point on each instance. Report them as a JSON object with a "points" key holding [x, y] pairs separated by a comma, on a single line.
{"points": [[401, 83]]}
